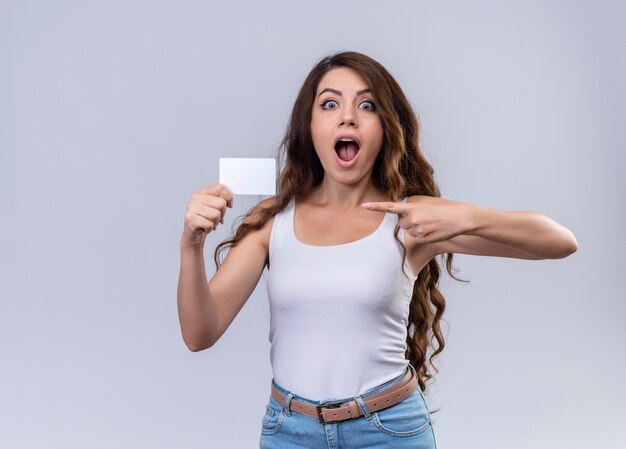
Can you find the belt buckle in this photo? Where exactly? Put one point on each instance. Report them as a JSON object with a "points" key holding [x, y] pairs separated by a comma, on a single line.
{"points": [[320, 416]]}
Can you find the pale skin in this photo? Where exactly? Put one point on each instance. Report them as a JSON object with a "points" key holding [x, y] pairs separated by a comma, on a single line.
{"points": [[343, 208]]}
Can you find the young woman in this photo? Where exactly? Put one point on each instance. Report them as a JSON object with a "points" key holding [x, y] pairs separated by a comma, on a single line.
{"points": [[350, 242]]}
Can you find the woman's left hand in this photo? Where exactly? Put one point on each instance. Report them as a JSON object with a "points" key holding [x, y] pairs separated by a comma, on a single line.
{"points": [[428, 219]]}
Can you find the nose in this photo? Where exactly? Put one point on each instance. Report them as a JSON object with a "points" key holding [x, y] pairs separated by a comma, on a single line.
{"points": [[348, 118]]}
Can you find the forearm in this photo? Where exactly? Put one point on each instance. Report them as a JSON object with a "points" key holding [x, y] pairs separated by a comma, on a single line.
{"points": [[196, 309], [530, 232]]}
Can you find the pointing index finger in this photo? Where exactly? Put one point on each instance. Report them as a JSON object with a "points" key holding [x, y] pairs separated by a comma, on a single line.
{"points": [[387, 206]]}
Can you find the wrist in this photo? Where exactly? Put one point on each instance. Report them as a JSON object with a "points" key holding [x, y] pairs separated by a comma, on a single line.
{"points": [[189, 246], [475, 218], [192, 244]]}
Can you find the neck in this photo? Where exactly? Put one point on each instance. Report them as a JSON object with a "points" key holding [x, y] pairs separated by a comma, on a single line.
{"points": [[335, 194]]}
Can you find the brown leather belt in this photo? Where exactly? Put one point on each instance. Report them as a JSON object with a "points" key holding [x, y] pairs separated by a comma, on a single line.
{"points": [[347, 410]]}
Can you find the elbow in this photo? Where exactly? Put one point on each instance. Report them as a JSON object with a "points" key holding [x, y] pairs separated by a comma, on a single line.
{"points": [[573, 248], [197, 346], [193, 348], [570, 246]]}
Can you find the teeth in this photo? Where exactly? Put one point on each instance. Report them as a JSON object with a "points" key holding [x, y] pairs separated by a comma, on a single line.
{"points": [[346, 140]]}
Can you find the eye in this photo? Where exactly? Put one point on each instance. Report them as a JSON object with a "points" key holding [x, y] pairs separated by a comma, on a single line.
{"points": [[329, 104], [368, 105]]}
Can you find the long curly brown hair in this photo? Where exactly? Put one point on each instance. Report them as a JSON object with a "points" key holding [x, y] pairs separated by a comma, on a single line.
{"points": [[400, 170]]}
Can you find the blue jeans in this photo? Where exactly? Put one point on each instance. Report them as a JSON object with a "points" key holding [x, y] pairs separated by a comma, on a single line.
{"points": [[403, 425]]}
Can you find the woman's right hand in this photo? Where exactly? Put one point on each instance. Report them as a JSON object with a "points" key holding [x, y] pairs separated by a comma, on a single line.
{"points": [[205, 209]]}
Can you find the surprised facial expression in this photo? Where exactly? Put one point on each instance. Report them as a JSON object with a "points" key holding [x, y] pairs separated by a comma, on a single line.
{"points": [[346, 128]]}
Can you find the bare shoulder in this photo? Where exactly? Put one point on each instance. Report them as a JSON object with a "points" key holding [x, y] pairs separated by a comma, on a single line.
{"points": [[418, 254]]}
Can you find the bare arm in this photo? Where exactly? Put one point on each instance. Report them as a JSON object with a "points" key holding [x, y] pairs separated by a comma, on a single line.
{"points": [[206, 309], [196, 307], [447, 226], [520, 234]]}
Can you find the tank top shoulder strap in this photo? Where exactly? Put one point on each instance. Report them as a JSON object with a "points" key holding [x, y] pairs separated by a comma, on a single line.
{"points": [[282, 228]]}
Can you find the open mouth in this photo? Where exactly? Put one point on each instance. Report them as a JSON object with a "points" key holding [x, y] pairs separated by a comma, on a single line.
{"points": [[346, 149]]}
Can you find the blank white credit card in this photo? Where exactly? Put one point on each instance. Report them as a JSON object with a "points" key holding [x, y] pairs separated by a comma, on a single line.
{"points": [[248, 176]]}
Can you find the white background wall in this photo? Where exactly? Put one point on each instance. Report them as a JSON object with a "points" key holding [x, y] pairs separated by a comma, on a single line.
{"points": [[113, 112]]}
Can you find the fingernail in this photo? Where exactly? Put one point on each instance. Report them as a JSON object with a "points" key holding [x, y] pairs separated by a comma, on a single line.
{"points": [[367, 205]]}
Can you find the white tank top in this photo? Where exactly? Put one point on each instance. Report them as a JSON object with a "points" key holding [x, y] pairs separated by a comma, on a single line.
{"points": [[338, 313]]}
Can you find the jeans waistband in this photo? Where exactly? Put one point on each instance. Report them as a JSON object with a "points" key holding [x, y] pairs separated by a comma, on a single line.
{"points": [[367, 394]]}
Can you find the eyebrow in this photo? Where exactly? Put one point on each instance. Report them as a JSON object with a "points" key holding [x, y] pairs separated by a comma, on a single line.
{"points": [[336, 92]]}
